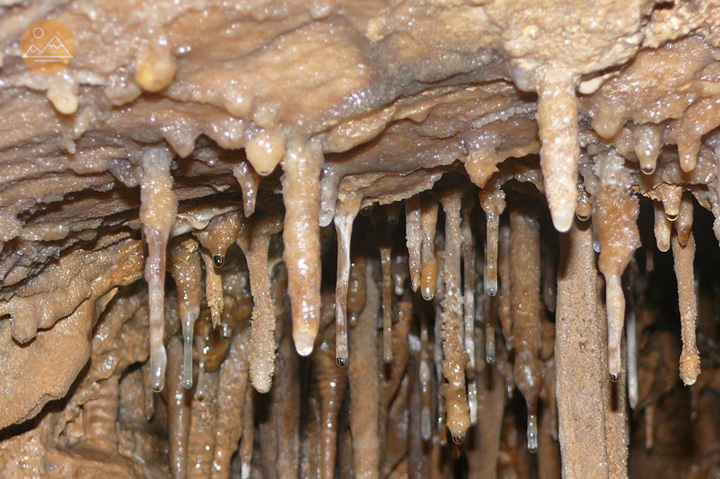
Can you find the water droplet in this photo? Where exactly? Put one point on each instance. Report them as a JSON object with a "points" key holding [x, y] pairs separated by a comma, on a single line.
{"points": [[427, 293], [532, 433], [582, 217], [218, 260]]}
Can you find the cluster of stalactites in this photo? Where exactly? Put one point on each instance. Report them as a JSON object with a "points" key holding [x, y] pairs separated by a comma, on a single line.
{"points": [[442, 269], [158, 213]]}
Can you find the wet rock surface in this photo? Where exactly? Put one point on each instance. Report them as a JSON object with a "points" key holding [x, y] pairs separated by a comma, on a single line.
{"points": [[175, 301]]}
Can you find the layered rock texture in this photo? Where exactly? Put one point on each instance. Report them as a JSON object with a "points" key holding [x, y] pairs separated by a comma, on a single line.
{"points": [[408, 239]]}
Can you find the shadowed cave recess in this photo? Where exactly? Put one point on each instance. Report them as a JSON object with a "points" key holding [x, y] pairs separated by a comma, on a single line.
{"points": [[362, 239]]}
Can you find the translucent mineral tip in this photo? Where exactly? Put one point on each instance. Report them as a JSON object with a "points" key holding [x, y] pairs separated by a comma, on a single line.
{"points": [[158, 361], [458, 438], [304, 341], [532, 433], [562, 219]]}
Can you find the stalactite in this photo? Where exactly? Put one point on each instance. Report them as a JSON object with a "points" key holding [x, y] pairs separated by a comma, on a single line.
{"points": [[202, 430], [311, 429], [714, 187], [301, 194], [437, 350], [684, 222], [671, 197], [213, 289], [344, 218], [632, 359], [394, 373], [617, 423], [255, 243], [472, 394], [492, 201], [583, 209], [625, 108], [310, 440], [453, 365], [440, 283], [220, 233], [663, 228], [650, 427], [515, 460], [616, 215], [468, 257], [393, 212], [484, 449], [267, 443], [505, 300], [417, 462], [265, 149], [332, 383], [229, 405], [217, 346], [425, 378], [429, 269], [202, 331], [63, 95], [248, 434], [526, 309], [155, 65], [364, 386], [345, 457], [395, 460], [548, 461], [384, 241], [157, 215], [179, 401], [548, 432], [99, 416], [557, 117], [413, 237], [399, 272], [649, 259], [216, 238], [201, 385], [489, 323], [328, 385], [687, 301], [186, 271], [648, 140], [148, 395], [249, 182], [551, 399], [357, 291], [549, 276], [287, 391]]}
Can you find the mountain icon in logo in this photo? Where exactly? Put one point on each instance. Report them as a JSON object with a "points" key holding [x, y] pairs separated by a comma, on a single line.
{"points": [[52, 49]]}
